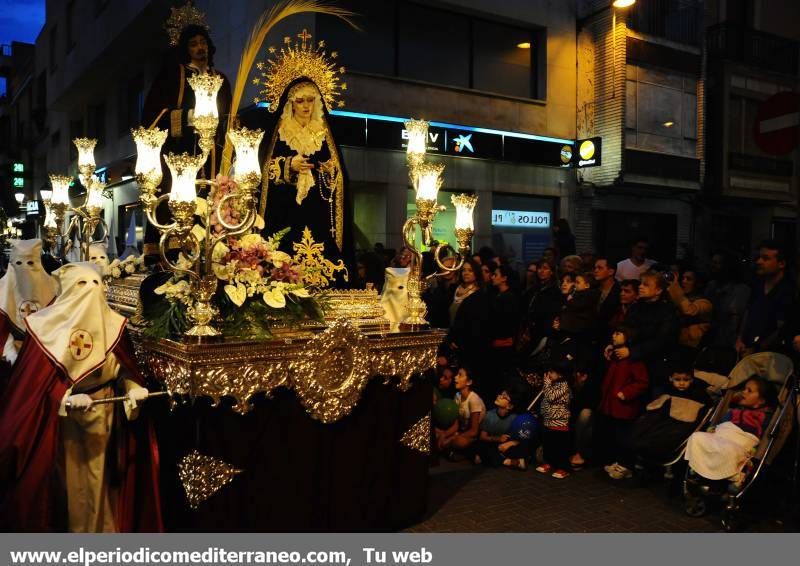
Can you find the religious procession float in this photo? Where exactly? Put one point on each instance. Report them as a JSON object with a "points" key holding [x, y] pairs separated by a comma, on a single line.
{"points": [[290, 402]]}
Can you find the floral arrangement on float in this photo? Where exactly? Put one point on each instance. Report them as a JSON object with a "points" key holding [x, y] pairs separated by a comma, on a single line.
{"points": [[119, 269], [257, 284]]}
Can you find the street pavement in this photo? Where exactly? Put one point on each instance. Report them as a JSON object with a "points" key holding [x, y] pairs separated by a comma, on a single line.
{"points": [[468, 498]]}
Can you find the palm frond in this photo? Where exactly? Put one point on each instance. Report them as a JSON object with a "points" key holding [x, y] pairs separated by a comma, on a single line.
{"points": [[265, 23]]}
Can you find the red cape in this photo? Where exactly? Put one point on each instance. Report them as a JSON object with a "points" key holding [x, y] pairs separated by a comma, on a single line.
{"points": [[29, 441]]}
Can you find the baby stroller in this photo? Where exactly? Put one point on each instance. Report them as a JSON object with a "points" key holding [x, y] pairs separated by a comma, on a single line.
{"points": [[698, 491], [660, 444]]}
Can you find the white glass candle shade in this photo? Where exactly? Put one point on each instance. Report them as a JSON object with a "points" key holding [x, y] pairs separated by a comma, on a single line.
{"points": [[246, 143], [417, 131], [95, 194], [205, 86], [429, 179], [183, 168], [85, 152], [60, 184], [465, 206], [148, 152], [46, 195], [49, 219]]}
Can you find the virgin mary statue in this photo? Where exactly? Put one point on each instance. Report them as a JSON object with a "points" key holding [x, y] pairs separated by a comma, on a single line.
{"points": [[303, 178]]}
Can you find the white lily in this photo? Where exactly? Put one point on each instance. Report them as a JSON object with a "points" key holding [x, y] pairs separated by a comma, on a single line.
{"points": [[237, 293], [274, 298]]}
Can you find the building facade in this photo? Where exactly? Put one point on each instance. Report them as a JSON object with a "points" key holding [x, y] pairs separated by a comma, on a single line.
{"points": [[499, 75], [751, 179], [640, 88], [21, 125]]}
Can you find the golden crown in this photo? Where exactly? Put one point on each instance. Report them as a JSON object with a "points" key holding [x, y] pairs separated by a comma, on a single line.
{"points": [[181, 17], [300, 59]]}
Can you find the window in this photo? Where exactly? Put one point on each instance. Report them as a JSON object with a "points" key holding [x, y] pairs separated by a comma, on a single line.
{"points": [[41, 92], [75, 131], [741, 118], [660, 111], [433, 46], [415, 41], [70, 24], [502, 59], [53, 49], [132, 103], [96, 122], [371, 50]]}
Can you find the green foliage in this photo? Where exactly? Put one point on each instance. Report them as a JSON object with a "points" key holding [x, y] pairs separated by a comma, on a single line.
{"points": [[166, 320], [253, 320]]}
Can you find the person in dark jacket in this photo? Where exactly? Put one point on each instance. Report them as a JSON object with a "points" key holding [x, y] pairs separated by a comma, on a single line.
{"points": [[469, 314], [439, 296], [543, 308], [504, 326], [771, 303], [656, 324], [578, 310], [608, 300], [622, 393]]}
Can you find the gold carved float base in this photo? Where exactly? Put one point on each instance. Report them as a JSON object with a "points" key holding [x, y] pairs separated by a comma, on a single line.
{"points": [[328, 371]]}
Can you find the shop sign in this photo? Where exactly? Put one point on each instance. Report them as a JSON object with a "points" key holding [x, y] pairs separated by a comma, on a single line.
{"points": [[32, 208], [520, 218], [588, 152]]}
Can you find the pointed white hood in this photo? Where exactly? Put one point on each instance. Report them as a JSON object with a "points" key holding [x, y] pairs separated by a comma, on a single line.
{"points": [[26, 287], [79, 329]]}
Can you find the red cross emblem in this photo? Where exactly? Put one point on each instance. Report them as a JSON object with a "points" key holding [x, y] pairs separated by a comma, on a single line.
{"points": [[28, 307], [80, 344]]}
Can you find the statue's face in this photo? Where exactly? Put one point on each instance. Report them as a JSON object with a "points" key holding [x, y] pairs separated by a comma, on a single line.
{"points": [[198, 50], [303, 104]]}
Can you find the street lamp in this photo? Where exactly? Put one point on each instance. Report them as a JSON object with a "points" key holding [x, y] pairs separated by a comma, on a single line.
{"points": [[20, 197], [623, 3]]}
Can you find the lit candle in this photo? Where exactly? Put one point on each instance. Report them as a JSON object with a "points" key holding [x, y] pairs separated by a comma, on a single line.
{"points": [[465, 205], [49, 219], [148, 153], [85, 154], [205, 86], [246, 143], [60, 184], [95, 197], [429, 179], [417, 131], [183, 168]]}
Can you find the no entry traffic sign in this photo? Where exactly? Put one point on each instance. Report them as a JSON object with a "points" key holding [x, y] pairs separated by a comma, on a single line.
{"points": [[777, 126]]}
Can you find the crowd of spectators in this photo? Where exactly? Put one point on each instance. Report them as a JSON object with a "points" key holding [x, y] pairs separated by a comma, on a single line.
{"points": [[598, 346]]}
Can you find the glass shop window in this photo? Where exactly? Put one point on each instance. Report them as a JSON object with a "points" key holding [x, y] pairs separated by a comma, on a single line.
{"points": [[660, 111]]}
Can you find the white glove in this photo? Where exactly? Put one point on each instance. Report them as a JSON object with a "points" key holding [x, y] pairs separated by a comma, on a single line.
{"points": [[138, 394], [9, 350], [79, 402]]}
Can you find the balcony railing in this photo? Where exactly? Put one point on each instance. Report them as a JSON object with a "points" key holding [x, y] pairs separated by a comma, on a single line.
{"points": [[753, 47], [676, 20]]}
